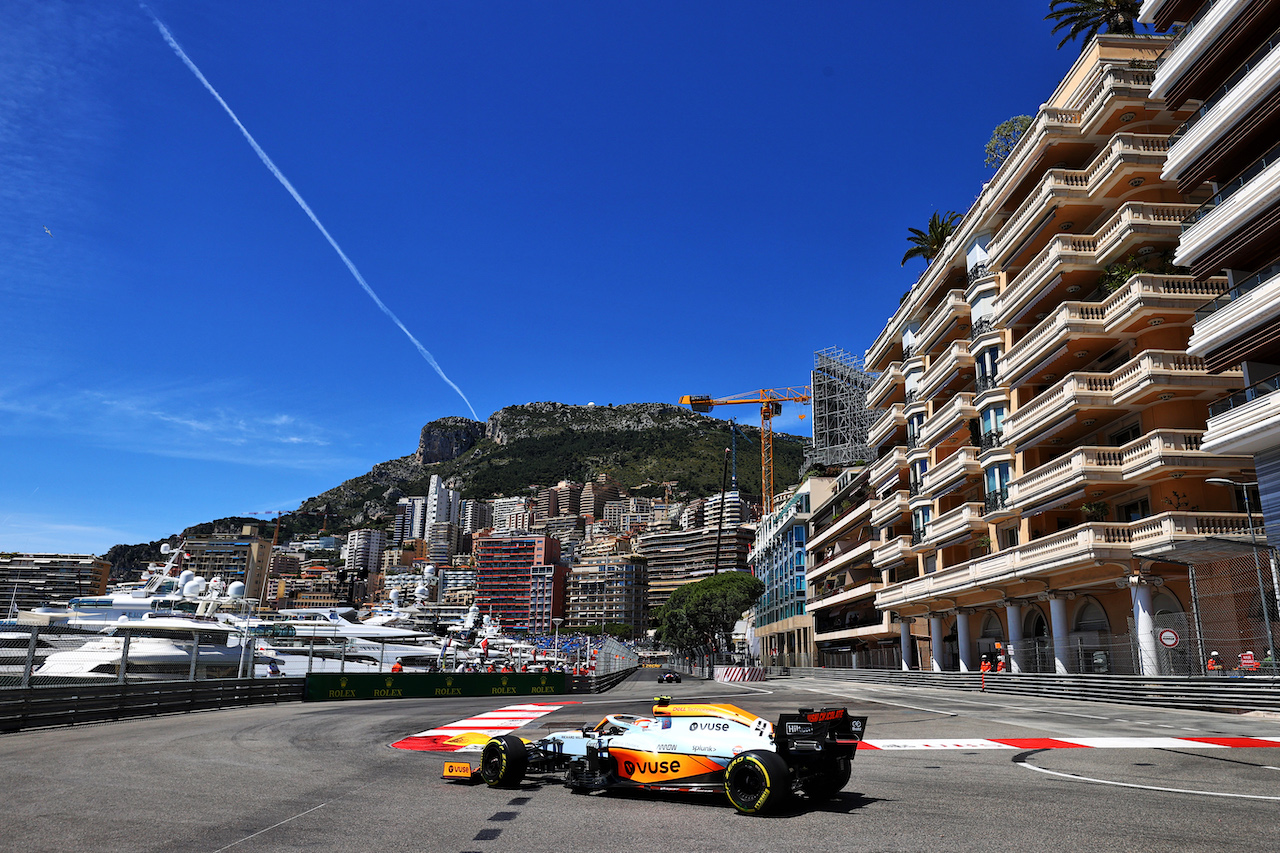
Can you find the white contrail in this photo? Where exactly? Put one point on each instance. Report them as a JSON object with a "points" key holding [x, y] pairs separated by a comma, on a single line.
{"points": [[262, 155]]}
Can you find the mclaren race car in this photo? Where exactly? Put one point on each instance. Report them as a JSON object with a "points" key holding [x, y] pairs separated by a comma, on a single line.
{"points": [[758, 765]]}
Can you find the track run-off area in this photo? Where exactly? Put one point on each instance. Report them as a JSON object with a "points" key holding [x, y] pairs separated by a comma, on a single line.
{"points": [[941, 770]]}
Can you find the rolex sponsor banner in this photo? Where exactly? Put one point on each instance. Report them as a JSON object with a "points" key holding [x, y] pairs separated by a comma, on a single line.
{"points": [[325, 686]]}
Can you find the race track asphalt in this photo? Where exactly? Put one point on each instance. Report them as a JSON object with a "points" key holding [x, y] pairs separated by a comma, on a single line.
{"points": [[323, 777]]}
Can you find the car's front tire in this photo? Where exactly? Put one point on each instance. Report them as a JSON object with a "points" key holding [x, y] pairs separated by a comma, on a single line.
{"points": [[503, 761], [757, 781]]}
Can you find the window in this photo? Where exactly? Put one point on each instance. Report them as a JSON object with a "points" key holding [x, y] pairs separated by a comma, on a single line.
{"points": [[997, 477], [1126, 434], [993, 419], [1010, 537], [1135, 510], [914, 424]]}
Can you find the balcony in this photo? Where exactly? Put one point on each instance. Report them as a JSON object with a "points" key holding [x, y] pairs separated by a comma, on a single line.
{"points": [[890, 508], [892, 553], [1083, 324], [1124, 154], [945, 367], [1155, 453], [963, 522], [944, 322], [950, 473], [1057, 406], [1247, 421], [981, 327], [892, 463], [1134, 222], [1161, 374], [888, 388], [844, 595], [847, 523], [996, 502], [1234, 313], [854, 555], [1080, 547], [1064, 477], [955, 415], [887, 425]]}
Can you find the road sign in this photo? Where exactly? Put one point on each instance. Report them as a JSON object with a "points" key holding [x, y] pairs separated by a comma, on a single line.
{"points": [[1168, 638]]}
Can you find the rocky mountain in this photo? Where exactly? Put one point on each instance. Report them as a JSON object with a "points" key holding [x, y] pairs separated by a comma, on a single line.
{"points": [[642, 445]]}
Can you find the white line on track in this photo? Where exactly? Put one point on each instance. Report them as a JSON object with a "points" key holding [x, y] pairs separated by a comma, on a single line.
{"points": [[269, 828], [882, 701], [1143, 787]]}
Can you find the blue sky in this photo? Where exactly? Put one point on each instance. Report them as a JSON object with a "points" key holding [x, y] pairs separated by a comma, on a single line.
{"points": [[571, 201]]}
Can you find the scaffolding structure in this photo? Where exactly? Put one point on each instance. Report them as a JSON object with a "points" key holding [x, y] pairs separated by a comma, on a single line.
{"points": [[841, 417]]}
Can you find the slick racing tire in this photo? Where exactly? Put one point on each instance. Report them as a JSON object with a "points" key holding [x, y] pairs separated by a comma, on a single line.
{"points": [[503, 761], [757, 781], [828, 781]]}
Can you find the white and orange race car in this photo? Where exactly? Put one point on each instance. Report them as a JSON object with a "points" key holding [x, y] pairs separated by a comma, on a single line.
{"points": [[758, 765]]}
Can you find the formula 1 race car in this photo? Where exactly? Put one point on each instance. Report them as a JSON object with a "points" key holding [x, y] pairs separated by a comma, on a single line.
{"points": [[668, 676], [695, 747]]}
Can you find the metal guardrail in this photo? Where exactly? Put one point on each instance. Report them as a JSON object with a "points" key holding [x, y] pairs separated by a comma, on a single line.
{"points": [[601, 683], [1197, 693], [70, 706]]}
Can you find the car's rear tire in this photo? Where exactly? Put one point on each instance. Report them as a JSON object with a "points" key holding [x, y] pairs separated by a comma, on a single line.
{"points": [[829, 781], [757, 781], [503, 761]]}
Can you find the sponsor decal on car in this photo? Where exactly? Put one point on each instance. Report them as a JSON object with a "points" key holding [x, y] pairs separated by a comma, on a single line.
{"points": [[708, 727], [644, 766], [799, 728]]}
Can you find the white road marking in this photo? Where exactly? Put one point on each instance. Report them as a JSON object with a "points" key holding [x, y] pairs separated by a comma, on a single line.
{"points": [[269, 828], [1143, 787]]}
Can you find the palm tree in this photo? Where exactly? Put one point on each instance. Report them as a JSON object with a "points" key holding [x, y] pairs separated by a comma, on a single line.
{"points": [[927, 244], [1087, 17]]}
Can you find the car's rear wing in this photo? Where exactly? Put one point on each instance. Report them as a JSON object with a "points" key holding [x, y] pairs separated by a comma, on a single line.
{"points": [[827, 731]]}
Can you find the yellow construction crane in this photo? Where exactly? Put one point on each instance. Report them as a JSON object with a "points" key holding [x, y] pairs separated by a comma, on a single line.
{"points": [[770, 401]]}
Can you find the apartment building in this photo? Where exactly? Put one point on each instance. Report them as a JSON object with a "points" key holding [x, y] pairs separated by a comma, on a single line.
{"points": [[843, 580], [1041, 438], [28, 581], [243, 557], [363, 551], [608, 589], [505, 571], [779, 560], [1225, 65], [678, 557]]}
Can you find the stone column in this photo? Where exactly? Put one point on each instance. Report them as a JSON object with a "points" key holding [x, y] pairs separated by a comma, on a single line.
{"points": [[904, 627], [935, 641], [1058, 624], [962, 638], [1013, 615], [1145, 627]]}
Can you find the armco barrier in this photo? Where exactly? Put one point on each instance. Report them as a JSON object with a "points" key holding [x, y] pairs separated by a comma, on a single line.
{"points": [[96, 703], [330, 686], [1250, 693]]}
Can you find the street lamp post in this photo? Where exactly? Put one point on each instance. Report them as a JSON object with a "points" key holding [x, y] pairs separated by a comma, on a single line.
{"points": [[556, 621], [1253, 541]]}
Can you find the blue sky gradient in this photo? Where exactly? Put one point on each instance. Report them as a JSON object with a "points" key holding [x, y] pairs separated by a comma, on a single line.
{"points": [[569, 201]]}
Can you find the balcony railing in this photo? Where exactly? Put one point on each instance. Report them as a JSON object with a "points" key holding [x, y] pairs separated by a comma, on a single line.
{"points": [[1183, 32], [1231, 188], [996, 500], [985, 383], [978, 271], [1253, 282], [913, 489], [991, 440], [980, 327], [917, 535], [1236, 76], [1248, 395]]}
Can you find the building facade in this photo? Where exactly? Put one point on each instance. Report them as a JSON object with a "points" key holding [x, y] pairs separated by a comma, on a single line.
{"points": [[505, 570], [28, 581], [678, 557], [1224, 64], [1041, 440], [778, 558], [243, 558]]}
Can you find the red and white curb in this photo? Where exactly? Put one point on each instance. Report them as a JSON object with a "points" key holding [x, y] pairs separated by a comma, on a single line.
{"points": [[461, 735], [1077, 743]]}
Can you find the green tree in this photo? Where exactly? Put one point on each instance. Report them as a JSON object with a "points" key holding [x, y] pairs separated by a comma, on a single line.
{"points": [[704, 613], [1089, 17], [1004, 137], [927, 244]]}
